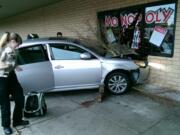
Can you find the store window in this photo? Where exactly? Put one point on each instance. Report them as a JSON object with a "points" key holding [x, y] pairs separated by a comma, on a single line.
{"points": [[147, 29]]}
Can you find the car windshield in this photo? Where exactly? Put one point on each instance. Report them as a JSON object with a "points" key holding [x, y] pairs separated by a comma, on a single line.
{"points": [[103, 50], [97, 47], [92, 45]]}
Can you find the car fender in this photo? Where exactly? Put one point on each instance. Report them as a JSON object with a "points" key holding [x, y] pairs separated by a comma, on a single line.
{"points": [[111, 66]]}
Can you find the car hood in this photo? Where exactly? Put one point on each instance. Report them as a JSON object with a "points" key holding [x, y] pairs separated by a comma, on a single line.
{"points": [[119, 63]]}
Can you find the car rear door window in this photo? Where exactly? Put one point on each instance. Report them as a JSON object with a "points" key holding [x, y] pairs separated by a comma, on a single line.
{"points": [[66, 52], [31, 54]]}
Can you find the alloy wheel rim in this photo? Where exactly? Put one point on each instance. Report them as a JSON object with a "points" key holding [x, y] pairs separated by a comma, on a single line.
{"points": [[117, 84]]}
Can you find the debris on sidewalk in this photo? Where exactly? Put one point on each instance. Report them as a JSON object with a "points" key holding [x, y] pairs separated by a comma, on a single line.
{"points": [[88, 103], [101, 93]]}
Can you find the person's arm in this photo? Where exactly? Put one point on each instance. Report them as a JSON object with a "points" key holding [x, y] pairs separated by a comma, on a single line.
{"points": [[3, 56], [3, 65]]}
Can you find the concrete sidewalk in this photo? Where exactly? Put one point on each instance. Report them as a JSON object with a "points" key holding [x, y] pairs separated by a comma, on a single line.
{"points": [[77, 113], [159, 93]]}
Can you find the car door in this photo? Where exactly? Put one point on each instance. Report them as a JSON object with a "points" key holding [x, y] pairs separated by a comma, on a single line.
{"points": [[72, 72], [36, 73]]}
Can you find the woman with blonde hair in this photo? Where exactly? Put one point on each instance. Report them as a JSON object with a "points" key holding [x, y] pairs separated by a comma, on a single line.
{"points": [[9, 83]]}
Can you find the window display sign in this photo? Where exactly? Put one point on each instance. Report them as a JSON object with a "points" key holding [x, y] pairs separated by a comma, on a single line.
{"points": [[160, 33], [147, 29]]}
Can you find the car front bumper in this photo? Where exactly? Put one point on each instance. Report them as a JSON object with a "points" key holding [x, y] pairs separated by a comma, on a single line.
{"points": [[143, 74]]}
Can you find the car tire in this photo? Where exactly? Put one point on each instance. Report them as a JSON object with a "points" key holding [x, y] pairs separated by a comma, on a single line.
{"points": [[117, 83]]}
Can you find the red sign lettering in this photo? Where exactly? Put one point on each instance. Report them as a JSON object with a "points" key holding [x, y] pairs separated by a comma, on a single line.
{"points": [[128, 19], [111, 22], [158, 16], [161, 15], [149, 17], [167, 14]]}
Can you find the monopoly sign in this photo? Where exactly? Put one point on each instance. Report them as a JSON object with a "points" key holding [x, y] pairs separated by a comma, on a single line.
{"points": [[161, 15]]}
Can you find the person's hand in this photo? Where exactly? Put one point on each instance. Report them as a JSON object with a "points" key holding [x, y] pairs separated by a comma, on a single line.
{"points": [[18, 69]]}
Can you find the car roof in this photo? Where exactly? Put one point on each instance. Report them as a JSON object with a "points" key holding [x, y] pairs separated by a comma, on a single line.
{"points": [[35, 41]]}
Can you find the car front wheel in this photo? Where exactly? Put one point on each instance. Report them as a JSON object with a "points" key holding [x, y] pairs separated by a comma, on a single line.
{"points": [[117, 83]]}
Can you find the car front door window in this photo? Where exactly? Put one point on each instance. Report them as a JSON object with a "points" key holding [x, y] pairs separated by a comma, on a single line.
{"points": [[66, 52]]}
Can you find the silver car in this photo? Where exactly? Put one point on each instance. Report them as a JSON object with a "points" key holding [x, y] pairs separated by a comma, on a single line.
{"points": [[62, 64]]}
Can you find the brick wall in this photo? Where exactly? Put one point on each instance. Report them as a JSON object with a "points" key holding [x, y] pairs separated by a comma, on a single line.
{"points": [[77, 17], [168, 72], [69, 16]]}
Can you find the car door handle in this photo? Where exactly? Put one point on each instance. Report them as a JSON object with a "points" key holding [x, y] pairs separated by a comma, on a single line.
{"points": [[58, 67]]}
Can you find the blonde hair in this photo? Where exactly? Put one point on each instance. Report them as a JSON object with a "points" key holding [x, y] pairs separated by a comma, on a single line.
{"points": [[4, 39]]}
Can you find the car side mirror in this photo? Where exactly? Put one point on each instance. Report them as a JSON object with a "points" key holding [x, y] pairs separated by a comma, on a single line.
{"points": [[85, 56]]}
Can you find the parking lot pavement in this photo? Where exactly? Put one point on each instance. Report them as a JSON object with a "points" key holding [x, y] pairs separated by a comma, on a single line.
{"points": [[76, 113]]}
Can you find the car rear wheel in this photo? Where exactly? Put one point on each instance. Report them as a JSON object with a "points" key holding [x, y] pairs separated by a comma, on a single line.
{"points": [[117, 83]]}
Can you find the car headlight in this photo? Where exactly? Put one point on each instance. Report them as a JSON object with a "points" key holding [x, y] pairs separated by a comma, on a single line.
{"points": [[141, 64]]}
